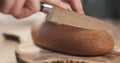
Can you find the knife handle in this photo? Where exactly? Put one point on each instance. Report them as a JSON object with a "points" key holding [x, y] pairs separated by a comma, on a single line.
{"points": [[46, 8]]}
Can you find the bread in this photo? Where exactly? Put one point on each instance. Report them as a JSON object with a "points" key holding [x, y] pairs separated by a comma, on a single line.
{"points": [[72, 40]]}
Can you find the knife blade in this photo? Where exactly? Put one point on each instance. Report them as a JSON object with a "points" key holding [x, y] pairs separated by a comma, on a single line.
{"points": [[60, 16]]}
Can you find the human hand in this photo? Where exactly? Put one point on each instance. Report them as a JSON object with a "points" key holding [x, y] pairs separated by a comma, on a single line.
{"points": [[19, 8], [76, 5], [25, 8]]}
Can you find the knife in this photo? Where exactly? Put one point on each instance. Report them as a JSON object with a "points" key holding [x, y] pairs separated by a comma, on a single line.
{"points": [[60, 16]]}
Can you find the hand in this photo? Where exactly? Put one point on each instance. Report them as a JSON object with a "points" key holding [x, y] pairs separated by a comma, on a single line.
{"points": [[76, 5], [25, 8], [20, 8]]}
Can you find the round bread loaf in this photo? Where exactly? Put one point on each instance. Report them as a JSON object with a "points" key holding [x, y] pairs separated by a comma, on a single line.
{"points": [[72, 40]]}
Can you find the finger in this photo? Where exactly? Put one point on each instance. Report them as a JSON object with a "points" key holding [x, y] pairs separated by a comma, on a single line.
{"points": [[34, 5], [25, 8], [76, 6], [58, 3], [7, 5], [15, 11]]}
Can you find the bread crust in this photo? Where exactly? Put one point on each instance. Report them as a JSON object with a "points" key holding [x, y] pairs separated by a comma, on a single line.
{"points": [[72, 40]]}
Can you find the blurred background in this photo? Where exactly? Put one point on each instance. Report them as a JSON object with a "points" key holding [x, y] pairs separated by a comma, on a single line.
{"points": [[106, 10], [102, 8]]}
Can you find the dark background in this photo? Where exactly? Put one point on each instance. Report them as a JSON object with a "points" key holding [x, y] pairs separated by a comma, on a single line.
{"points": [[105, 9]]}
